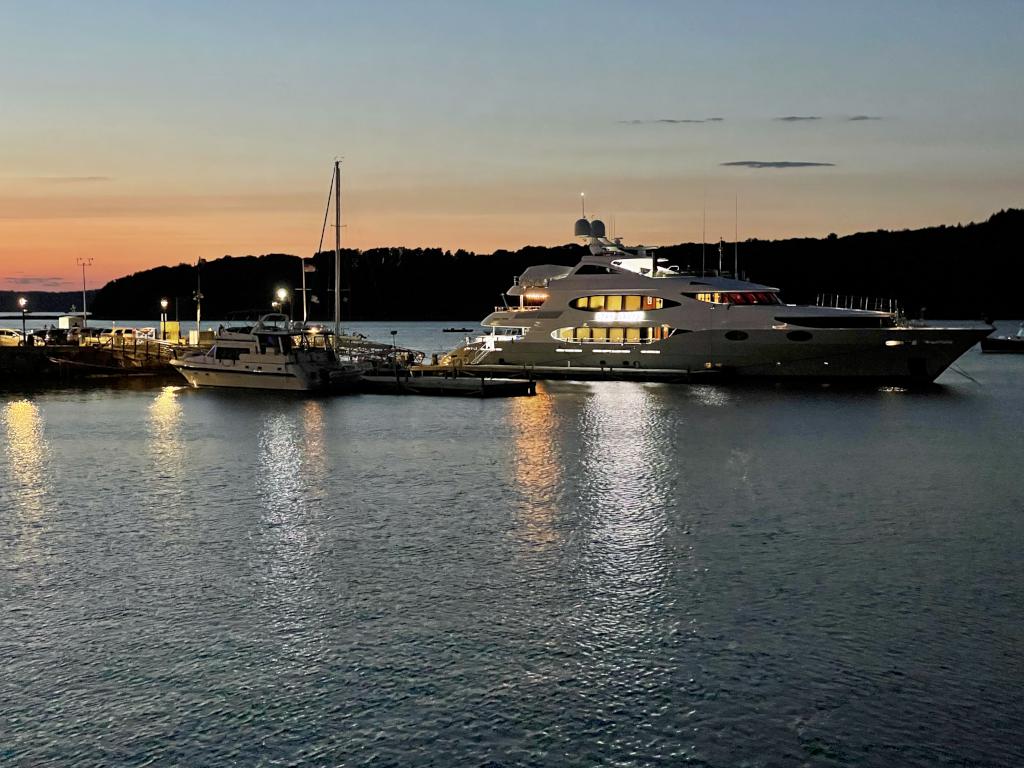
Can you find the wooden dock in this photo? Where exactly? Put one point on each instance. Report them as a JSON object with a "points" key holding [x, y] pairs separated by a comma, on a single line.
{"points": [[117, 358]]}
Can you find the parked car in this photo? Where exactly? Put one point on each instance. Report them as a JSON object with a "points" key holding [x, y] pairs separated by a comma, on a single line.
{"points": [[93, 335], [44, 336], [10, 337], [119, 336]]}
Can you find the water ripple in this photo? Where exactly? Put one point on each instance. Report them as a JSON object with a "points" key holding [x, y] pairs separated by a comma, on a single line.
{"points": [[609, 574]]}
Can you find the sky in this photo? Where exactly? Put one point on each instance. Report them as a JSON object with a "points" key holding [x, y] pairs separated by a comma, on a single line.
{"points": [[145, 133]]}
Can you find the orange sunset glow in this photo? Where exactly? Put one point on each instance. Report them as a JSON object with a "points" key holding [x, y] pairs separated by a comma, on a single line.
{"points": [[141, 138]]}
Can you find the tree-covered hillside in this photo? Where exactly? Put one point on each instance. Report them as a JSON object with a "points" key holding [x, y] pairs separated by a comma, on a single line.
{"points": [[964, 271]]}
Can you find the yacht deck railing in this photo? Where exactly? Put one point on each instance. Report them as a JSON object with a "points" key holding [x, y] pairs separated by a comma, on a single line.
{"points": [[869, 303]]}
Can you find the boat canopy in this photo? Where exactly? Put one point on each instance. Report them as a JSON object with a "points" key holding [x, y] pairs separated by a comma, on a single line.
{"points": [[538, 276]]}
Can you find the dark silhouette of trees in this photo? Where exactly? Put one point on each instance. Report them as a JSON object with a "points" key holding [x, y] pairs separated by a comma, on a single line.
{"points": [[959, 271]]}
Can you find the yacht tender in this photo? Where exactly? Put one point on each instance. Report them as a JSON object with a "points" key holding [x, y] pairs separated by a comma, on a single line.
{"points": [[272, 354], [623, 313]]}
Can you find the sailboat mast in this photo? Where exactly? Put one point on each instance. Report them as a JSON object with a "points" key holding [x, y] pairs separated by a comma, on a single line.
{"points": [[337, 250], [704, 238], [736, 241], [305, 311]]}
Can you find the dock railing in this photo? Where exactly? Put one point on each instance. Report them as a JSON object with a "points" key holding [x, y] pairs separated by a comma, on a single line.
{"points": [[138, 352]]}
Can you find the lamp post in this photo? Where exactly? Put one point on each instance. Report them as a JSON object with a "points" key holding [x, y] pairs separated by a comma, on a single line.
{"points": [[394, 353], [163, 319], [23, 306], [83, 263], [282, 298]]}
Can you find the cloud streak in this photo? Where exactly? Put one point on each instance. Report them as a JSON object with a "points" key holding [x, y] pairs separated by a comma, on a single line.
{"points": [[71, 179], [857, 118], [777, 164], [673, 121], [797, 118], [41, 282]]}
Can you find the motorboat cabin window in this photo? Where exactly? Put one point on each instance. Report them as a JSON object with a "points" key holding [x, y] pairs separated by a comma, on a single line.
{"points": [[736, 297], [227, 353], [627, 303], [272, 343], [595, 269], [614, 335]]}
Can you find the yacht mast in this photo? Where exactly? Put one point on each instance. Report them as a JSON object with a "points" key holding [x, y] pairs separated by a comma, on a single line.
{"points": [[337, 251]]}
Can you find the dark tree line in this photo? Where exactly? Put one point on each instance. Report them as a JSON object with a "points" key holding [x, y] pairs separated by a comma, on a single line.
{"points": [[964, 271]]}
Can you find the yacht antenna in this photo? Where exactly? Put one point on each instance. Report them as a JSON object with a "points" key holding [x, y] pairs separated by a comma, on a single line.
{"points": [[736, 241], [720, 241], [583, 203], [337, 251]]}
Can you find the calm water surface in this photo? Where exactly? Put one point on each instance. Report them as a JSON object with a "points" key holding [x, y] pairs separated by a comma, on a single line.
{"points": [[612, 574]]}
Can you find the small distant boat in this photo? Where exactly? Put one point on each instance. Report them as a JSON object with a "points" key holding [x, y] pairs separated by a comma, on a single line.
{"points": [[1005, 343], [457, 330], [269, 355]]}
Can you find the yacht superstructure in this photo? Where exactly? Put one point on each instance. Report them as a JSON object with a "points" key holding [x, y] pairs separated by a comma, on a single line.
{"points": [[622, 312]]}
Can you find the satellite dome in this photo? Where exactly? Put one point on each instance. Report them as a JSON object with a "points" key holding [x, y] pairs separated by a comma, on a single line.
{"points": [[597, 228], [582, 228]]}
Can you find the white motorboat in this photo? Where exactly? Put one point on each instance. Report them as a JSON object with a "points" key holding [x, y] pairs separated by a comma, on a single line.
{"points": [[622, 312], [272, 354]]}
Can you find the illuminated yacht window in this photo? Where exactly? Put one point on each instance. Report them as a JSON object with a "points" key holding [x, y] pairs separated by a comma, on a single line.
{"points": [[735, 297], [534, 298], [621, 303], [615, 335]]}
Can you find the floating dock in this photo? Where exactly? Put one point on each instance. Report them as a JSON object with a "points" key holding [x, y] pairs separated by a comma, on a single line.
{"points": [[406, 383]]}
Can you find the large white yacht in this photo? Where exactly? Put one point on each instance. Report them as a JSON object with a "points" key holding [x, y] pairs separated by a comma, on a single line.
{"points": [[622, 312], [272, 354]]}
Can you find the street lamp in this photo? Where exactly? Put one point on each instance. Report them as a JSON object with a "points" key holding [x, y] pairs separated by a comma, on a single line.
{"points": [[23, 306], [163, 319], [394, 352], [282, 298]]}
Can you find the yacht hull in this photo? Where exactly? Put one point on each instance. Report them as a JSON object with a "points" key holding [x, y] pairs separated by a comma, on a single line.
{"points": [[916, 355]]}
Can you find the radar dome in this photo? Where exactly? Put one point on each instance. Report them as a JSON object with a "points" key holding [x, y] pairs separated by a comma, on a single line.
{"points": [[597, 228], [582, 228]]}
